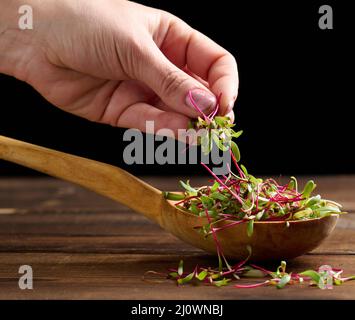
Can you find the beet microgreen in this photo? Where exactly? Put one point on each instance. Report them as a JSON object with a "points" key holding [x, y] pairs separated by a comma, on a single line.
{"points": [[245, 198], [242, 198], [216, 130], [280, 278]]}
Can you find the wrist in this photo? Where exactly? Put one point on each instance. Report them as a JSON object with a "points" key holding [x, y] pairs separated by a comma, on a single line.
{"points": [[12, 39], [20, 38]]}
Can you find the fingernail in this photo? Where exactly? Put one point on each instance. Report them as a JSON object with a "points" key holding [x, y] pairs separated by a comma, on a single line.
{"points": [[202, 99]]}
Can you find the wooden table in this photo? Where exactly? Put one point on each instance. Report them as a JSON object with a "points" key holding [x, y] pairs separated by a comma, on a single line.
{"points": [[83, 246]]}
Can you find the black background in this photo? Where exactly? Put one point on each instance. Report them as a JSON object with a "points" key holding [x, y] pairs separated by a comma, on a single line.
{"points": [[295, 100]]}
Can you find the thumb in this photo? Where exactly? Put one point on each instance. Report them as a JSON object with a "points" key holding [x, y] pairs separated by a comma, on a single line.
{"points": [[173, 85]]}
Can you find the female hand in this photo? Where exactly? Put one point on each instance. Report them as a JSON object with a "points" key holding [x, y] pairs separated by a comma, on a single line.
{"points": [[117, 62]]}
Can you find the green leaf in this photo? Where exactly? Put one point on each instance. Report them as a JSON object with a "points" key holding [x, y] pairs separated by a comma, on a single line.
{"points": [[259, 215], [202, 275], [308, 188], [181, 268], [302, 214], [215, 138], [200, 121], [187, 187], [244, 169], [222, 145], [219, 196], [187, 279], [213, 213], [250, 228], [235, 151], [174, 196], [207, 201], [313, 200], [174, 274], [215, 276], [193, 208], [329, 209], [215, 186], [253, 273], [314, 275], [206, 143], [220, 120], [322, 214], [283, 266], [326, 211], [293, 184], [247, 204], [281, 269], [284, 280], [222, 282], [333, 203], [237, 134]]}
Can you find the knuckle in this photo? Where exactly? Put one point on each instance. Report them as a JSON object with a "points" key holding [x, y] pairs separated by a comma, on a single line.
{"points": [[129, 51], [172, 82]]}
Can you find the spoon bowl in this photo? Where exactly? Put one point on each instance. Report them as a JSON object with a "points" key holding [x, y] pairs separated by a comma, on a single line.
{"points": [[270, 240]]}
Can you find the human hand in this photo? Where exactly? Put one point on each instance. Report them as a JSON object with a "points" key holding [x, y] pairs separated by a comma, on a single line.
{"points": [[118, 62]]}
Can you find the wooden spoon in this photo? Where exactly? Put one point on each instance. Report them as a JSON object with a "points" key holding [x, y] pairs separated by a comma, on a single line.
{"points": [[270, 240]]}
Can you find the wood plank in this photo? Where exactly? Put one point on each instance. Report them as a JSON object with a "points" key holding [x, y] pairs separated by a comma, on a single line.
{"points": [[109, 232], [153, 243], [82, 245], [48, 193], [119, 276], [337, 244]]}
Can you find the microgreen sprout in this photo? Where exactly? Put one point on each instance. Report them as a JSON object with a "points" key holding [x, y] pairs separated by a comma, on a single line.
{"points": [[242, 198], [216, 130], [279, 278]]}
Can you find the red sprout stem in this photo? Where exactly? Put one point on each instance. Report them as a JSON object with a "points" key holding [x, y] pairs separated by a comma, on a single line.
{"points": [[261, 269], [240, 171], [218, 246], [221, 182], [247, 286], [185, 200], [257, 199], [197, 107], [214, 112], [228, 225]]}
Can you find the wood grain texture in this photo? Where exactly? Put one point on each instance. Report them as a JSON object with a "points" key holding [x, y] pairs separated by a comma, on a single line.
{"points": [[270, 240], [112, 182], [84, 246]]}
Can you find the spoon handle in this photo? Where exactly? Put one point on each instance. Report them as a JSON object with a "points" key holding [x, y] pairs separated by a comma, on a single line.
{"points": [[102, 178]]}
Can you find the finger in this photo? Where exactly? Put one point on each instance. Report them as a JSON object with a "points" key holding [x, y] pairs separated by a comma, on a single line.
{"points": [[216, 66], [130, 106], [160, 122], [195, 76], [231, 116], [173, 85], [186, 46]]}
